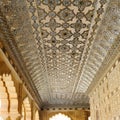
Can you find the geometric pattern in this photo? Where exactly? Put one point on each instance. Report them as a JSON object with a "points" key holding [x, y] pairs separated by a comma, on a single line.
{"points": [[58, 40], [64, 35]]}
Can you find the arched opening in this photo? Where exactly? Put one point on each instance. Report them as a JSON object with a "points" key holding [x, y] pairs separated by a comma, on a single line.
{"points": [[8, 93], [60, 116], [89, 118], [4, 102], [8, 98], [12, 96]]}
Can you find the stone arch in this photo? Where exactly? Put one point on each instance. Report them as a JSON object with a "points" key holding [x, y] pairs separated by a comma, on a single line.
{"points": [[27, 109], [12, 95], [8, 97], [60, 116], [4, 102]]}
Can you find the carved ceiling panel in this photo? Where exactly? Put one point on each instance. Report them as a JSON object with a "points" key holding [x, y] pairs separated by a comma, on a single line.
{"points": [[60, 45]]}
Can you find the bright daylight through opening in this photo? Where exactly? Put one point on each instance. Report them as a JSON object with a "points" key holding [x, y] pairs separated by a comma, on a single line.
{"points": [[60, 117]]}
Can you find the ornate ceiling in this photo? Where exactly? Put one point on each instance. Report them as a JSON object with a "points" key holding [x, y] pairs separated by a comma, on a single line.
{"points": [[61, 45]]}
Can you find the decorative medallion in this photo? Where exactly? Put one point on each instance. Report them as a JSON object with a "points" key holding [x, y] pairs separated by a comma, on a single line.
{"points": [[66, 14]]}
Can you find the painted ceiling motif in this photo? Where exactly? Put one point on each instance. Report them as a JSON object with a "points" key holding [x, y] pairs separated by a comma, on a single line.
{"points": [[60, 46]]}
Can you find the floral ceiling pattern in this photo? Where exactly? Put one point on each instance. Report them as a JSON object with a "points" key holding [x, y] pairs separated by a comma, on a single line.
{"points": [[55, 40]]}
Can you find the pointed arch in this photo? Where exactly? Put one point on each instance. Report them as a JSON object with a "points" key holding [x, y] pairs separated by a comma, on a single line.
{"points": [[4, 102], [60, 116], [12, 95], [8, 97]]}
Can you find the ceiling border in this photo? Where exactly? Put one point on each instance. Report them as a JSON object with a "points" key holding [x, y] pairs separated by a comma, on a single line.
{"points": [[12, 53]]}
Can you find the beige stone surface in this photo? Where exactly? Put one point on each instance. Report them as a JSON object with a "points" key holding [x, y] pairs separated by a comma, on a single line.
{"points": [[13, 95], [105, 98]]}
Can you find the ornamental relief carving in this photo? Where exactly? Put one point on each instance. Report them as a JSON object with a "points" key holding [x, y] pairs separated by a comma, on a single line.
{"points": [[54, 38]]}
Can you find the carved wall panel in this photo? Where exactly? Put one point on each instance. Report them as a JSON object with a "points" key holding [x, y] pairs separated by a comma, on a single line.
{"points": [[104, 99]]}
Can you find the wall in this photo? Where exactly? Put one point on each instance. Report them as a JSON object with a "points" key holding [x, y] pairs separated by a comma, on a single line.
{"points": [[73, 114], [13, 94], [105, 97]]}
